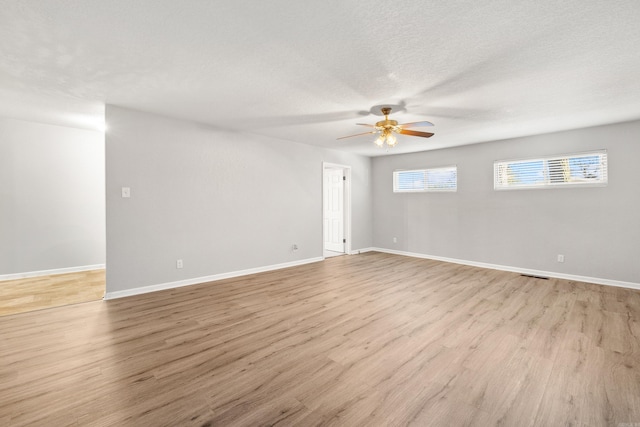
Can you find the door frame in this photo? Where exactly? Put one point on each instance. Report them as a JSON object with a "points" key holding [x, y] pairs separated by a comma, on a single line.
{"points": [[346, 170]]}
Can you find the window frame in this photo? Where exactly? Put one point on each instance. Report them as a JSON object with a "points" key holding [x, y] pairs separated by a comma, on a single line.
{"points": [[426, 188], [601, 182]]}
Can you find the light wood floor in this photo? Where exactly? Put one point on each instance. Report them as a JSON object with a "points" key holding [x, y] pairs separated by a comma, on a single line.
{"points": [[371, 340], [36, 293]]}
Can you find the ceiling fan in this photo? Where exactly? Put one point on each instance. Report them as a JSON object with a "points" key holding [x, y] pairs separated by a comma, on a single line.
{"points": [[386, 129]]}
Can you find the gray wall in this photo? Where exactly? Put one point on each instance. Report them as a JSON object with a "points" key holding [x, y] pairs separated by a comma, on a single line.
{"points": [[596, 228], [52, 209], [219, 200]]}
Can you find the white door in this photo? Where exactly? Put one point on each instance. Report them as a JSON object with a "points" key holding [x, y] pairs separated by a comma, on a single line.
{"points": [[333, 210]]}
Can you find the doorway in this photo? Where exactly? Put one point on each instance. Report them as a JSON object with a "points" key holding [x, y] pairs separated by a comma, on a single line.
{"points": [[55, 249], [336, 209]]}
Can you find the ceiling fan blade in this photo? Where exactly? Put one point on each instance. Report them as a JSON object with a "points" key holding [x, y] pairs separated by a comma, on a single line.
{"points": [[415, 133], [415, 124], [365, 124], [294, 120], [358, 134]]}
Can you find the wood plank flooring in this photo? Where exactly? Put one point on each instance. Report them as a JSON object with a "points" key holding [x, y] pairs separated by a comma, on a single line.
{"points": [[37, 293], [362, 340]]}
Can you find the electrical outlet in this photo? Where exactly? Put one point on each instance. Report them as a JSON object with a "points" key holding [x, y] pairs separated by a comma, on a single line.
{"points": [[395, 240], [179, 264], [560, 258], [126, 192], [294, 247]]}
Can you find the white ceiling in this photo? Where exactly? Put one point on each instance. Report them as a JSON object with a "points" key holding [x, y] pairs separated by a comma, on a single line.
{"points": [[307, 71]]}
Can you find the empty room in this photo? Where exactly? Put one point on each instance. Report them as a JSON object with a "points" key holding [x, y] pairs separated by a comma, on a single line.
{"points": [[319, 213]]}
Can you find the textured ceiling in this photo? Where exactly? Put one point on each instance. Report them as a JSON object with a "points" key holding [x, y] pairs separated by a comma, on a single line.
{"points": [[308, 71]]}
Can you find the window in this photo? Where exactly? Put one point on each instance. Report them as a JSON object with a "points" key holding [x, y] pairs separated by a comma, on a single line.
{"points": [[563, 170], [437, 179]]}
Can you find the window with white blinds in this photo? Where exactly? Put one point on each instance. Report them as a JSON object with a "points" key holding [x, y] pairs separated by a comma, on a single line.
{"points": [[436, 179], [563, 170]]}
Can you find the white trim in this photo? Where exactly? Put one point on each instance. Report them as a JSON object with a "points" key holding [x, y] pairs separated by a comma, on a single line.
{"points": [[596, 280], [28, 274], [500, 185], [426, 188], [363, 250], [346, 169], [205, 279]]}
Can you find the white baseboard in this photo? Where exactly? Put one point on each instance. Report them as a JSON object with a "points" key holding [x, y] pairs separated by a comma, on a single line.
{"points": [[205, 279], [596, 280], [361, 251], [28, 274]]}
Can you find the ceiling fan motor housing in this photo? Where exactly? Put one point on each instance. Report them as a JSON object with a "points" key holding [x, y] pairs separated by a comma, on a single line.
{"points": [[387, 124]]}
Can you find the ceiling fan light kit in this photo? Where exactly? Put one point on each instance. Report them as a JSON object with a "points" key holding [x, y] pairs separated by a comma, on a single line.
{"points": [[387, 128], [386, 137]]}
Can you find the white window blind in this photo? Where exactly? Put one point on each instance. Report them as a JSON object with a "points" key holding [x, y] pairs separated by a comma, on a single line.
{"points": [[563, 170], [436, 179]]}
